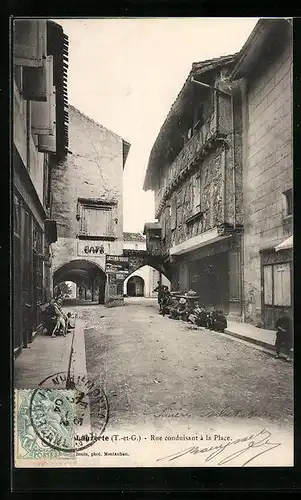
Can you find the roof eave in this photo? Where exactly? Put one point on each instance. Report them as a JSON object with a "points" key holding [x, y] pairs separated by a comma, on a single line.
{"points": [[251, 50], [195, 71], [126, 146]]}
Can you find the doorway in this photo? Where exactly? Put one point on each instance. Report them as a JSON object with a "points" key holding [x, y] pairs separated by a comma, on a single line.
{"points": [[209, 277], [135, 287]]}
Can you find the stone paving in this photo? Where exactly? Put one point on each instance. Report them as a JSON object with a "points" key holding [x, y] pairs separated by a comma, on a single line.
{"points": [[42, 358], [146, 362]]}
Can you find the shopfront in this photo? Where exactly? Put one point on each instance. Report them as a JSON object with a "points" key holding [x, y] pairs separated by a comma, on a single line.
{"points": [[214, 271], [28, 293], [277, 282]]}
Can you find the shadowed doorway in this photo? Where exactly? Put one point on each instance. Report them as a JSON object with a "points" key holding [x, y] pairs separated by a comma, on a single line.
{"points": [[135, 287]]}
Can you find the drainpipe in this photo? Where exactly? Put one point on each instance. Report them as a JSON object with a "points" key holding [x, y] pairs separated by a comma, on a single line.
{"points": [[233, 162]]}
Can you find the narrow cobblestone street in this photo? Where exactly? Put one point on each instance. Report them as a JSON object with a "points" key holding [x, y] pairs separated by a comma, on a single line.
{"points": [[156, 368]]}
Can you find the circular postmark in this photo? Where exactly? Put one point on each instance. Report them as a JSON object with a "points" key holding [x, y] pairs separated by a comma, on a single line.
{"points": [[62, 409]]}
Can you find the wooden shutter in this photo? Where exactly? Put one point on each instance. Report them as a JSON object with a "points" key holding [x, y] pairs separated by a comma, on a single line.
{"points": [[35, 82], [268, 285], [47, 143], [98, 221], [29, 42], [109, 222], [43, 113], [282, 285]]}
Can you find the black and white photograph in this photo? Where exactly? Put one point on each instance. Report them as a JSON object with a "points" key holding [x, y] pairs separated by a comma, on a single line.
{"points": [[152, 258]]}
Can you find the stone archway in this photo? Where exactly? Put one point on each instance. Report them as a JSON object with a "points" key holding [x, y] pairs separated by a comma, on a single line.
{"points": [[135, 287], [87, 275], [140, 258]]}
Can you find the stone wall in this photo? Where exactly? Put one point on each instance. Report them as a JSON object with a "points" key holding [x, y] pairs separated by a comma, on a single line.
{"points": [[92, 169], [268, 169]]}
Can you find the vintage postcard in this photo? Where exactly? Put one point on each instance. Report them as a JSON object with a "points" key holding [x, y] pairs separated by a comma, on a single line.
{"points": [[152, 242]]}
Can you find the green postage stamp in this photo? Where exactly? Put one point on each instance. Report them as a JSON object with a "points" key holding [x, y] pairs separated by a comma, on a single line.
{"points": [[45, 422]]}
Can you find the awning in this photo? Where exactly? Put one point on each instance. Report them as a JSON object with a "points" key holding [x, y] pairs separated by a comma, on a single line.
{"points": [[286, 244]]}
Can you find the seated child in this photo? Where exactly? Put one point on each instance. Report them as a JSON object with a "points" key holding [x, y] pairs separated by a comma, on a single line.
{"points": [[194, 313], [173, 308], [218, 321], [182, 309]]}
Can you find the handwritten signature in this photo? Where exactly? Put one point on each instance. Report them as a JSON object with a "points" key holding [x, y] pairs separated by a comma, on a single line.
{"points": [[258, 443], [170, 411]]}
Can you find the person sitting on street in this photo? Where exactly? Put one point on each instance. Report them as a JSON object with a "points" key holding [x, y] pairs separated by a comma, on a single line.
{"points": [[182, 309], [173, 308], [218, 320], [203, 318], [194, 314], [283, 342]]}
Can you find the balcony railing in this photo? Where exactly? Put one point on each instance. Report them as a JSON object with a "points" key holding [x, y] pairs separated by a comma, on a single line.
{"points": [[186, 160]]}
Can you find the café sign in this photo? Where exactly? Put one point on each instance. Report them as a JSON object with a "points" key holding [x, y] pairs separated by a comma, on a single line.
{"points": [[91, 249]]}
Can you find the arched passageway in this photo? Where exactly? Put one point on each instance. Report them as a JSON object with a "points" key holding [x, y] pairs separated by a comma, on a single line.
{"points": [[89, 278], [135, 287], [147, 275]]}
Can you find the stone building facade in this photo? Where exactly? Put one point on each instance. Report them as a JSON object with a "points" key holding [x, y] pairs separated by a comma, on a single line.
{"points": [[197, 181], [223, 184], [40, 141], [264, 67], [88, 206]]}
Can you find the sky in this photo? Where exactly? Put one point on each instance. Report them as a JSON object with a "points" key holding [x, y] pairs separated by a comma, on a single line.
{"points": [[126, 73]]}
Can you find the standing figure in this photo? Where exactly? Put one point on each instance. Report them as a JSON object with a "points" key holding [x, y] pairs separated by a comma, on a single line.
{"points": [[160, 290], [283, 342], [165, 301]]}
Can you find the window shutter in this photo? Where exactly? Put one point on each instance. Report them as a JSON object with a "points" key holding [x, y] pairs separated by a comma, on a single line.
{"points": [[29, 42], [97, 221], [282, 285], [47, 143], [35, 83], [43, 113], [268, 285]]}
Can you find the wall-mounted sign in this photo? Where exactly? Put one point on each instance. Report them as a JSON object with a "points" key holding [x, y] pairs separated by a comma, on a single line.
{"points": [[120, 277], [92, 248], [117, 264]]}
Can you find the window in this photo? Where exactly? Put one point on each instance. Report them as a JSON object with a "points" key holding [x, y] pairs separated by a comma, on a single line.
{"points": [[288, 202], [38, 267], [277, 284], [97, 220], [17, 216], [198, 117], [173, 213], [29, 42], [196, 194]]}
